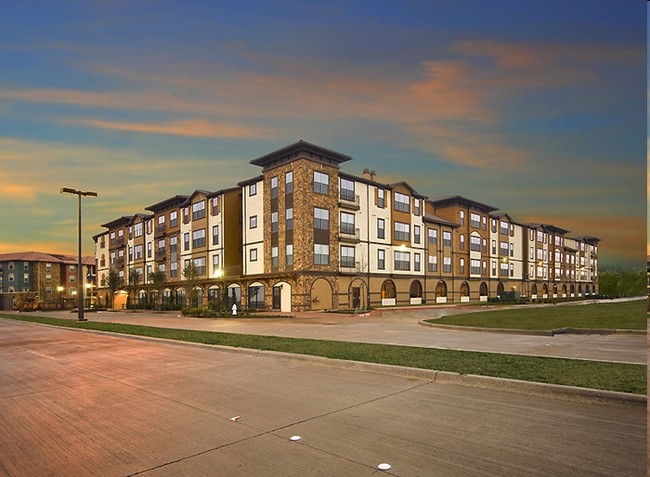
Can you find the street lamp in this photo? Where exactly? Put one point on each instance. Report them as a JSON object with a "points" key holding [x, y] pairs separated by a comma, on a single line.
{"points": [[60, 290], [80, 293]]}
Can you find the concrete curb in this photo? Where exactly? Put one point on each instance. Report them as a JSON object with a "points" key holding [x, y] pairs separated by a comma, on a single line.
{"points": [[557, 331], [555, 391]]}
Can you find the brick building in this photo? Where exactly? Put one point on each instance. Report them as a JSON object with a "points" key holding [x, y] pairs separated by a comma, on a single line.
{"points": [[305, 235]]}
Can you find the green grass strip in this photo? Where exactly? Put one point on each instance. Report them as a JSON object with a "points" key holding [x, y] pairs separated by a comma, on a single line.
{"points": [[629, 378], [629, 315]]}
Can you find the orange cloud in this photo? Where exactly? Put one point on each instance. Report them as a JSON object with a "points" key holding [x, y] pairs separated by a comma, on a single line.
{"points": [[192, 128]]}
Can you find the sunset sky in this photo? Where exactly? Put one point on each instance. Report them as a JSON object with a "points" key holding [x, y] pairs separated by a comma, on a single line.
{"points": [[535, 107]]}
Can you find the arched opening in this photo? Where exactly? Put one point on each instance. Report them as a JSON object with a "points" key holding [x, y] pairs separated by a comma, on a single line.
{"points": [[142, 299], [415, 292], [357, 294], [564, 291], [573, 290], [464, 292], [388, 293], [579, 290], [321, 295], [533, 291], [214, 296], [555, 290], [500, 289], [282, 296], [255, 296], [483, 291], [179, 299], [119, 300], [545, 291], [234, 296], [441, 292]]}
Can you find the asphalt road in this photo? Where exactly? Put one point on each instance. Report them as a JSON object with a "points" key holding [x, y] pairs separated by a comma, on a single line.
{"points": [[85, 404]]}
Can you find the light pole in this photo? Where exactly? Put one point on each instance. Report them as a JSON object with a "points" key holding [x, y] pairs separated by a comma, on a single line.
{"points": [[80, 288]]}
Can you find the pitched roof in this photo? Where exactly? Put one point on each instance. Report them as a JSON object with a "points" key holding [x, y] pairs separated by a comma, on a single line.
{"points": [[45, 257], [300, 149]]}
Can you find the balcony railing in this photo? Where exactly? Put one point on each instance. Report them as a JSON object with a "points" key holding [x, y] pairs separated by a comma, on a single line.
{"points": [[349, 234], [349, 200]]}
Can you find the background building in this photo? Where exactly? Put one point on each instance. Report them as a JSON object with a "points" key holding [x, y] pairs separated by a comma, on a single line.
{"points": [[304, 235], [37, 280]]}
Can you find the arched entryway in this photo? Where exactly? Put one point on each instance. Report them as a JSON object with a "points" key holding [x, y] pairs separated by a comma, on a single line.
{"points": [[281, 299], [573, 290], [483, 291], [357, 294], [321, 295], [388, 293], [415, 292], [533, 291], [564, 291], [500, 289], [441, 292], [464, 292], [579, 290], [120, 298], [555, 290], [256, 296], [545, 291]]}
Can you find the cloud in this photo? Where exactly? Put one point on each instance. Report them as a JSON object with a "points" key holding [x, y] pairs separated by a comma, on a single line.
{"points": [[190, 127]]}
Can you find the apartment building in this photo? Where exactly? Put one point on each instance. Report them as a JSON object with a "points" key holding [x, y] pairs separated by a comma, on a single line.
{"points": [[305, 235], [37, 280]]}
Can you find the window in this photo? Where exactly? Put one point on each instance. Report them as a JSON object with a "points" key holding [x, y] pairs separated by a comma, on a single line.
{"points": [[321, 254], [462, 241], [402, 261], [503, 248], [416, 206], [137, 229], [402, 232], [347, 223], [186, 215], [417, 266], [173, 269], [274, 187], [321, 219], [288, 182], [252, 222], [512, 250], [494, 225], [416, 233], [462, 265], [274, 222], [540, 236], [186, 242], [381, 229], [347, 257], [494, 247], [503, 227], [215, 205], [475, 220], [446, 239], [289, 254], [198, 238], [475, 243], [381, 259], [381, 198], [512, 269], [198, 210], [504, 269], [215, 235], [252, 190], [433, 263], [433, 237], [215, 264], [494, 268], [137, 251], [274, 257], [199, 265], [402, 202], [446, 264], [474, 267], [288, 217], [26, 278], [462, 217], [321, 183], [346, 191]]}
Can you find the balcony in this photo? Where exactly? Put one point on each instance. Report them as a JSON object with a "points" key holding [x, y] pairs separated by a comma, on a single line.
{"points": [[160, 231], [349, 234], [349, 200], [116, 243]]}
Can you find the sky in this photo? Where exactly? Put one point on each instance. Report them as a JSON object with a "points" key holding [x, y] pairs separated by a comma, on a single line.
{"points": [[536, 108]]}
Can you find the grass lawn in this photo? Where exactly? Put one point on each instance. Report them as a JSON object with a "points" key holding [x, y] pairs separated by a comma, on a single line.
{"points": [[630, 315], [630, 378]]}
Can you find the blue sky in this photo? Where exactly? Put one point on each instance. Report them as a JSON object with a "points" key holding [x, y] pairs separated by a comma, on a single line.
{"points": [[537, 108]]}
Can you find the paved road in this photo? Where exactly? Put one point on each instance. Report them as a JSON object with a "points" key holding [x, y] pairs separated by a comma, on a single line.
{"points": [[88, 404], [401, 327]]}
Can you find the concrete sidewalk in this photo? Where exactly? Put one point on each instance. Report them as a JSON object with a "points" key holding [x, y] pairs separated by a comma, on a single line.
{"points": [[399, 327]]}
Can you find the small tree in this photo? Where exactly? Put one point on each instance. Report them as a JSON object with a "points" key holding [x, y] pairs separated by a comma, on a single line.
{"points": [[190, 273], [134, 279], [113, 283], [158, 280]]}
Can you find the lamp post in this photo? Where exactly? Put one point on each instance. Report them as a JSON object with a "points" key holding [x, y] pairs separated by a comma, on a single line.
{"points": [[60, 290], [80, 288]]}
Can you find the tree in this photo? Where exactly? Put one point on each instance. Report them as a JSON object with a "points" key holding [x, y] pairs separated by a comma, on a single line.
{"points": [[190, 273], [158, 280], [113, 283], [622, 282], [134, 279]]}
